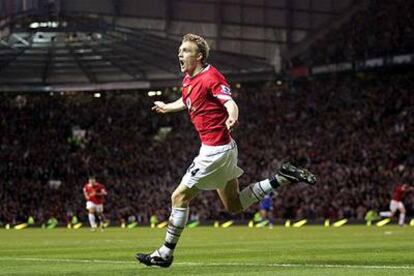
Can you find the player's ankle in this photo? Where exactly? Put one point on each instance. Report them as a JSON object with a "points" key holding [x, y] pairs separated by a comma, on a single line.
{"points": [[278, 180], [164, 252]]}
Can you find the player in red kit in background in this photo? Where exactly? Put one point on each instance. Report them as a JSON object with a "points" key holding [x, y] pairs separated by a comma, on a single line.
{"points": [[396, 203], [207, 97], [94, 194]]}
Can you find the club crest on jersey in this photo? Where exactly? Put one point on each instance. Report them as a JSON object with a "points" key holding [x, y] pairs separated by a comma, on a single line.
{"points": [[225, 90], [189, 106], [188, 102]]}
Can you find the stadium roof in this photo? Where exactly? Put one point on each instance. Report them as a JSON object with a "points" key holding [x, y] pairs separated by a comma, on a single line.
{"points": [[78, 45], [81, 54]]}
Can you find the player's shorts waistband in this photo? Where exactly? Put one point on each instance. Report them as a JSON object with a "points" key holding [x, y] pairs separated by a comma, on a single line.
{"points": [[213, 150]]}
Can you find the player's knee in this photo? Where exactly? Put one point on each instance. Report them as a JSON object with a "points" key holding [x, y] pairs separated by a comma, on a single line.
{"points": [[179, 199]]}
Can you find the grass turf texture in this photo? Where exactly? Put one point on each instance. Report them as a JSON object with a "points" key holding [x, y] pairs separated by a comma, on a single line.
{"points": [[311, 250]]}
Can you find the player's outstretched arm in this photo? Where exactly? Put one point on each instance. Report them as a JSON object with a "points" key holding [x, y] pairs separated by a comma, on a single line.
{"points": [[86, 195], [233, 111], [102, 192], [162, 107]]}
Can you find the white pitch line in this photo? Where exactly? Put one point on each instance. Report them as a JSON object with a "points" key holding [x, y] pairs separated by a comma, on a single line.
{"points": [[302, 265], [64, 260], [287, 265]]}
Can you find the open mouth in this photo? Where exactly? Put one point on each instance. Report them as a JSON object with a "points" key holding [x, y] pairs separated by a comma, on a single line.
{"points": [[181, 63]]}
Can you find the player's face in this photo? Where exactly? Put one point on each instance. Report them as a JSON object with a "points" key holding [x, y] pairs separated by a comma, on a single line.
{"points": [[92, 181], [189, 57]]}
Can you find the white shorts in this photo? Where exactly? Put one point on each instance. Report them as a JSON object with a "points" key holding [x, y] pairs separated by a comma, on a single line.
{"points": [[98, 207], [396, 205], [213, 167]]}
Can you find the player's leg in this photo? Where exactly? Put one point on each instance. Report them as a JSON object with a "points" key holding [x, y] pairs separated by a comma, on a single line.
{"points": [[393, 208], [92, 219], [91, 214], [269, 217], [236, 201], [99, 213], [401, 218], [163, 256], [229, 195], [386, 214], [180, 199]]}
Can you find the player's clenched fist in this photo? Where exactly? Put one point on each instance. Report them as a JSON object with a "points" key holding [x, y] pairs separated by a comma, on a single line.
{"points": [[159, 107], [231, 124]]}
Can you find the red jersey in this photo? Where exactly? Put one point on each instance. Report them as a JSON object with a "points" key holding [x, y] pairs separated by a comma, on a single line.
{"points": [[205, 95], [399, 192], [92, 192]]}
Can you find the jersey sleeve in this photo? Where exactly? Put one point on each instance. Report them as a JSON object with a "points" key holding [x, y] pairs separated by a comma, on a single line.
{"points": [[220, 89]]}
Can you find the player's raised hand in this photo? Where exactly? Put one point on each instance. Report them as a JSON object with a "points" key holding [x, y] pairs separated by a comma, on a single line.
{"points": [[231, 124], [160, 107]]}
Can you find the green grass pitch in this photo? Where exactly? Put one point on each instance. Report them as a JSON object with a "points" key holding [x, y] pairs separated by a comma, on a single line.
{"points": [[310, 250]]}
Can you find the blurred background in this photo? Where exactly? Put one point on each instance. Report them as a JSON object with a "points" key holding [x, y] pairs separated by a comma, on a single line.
{"points": [[325, 84]]}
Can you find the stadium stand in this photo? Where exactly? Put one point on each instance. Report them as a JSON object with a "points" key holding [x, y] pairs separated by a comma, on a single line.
{"points": [[352, 131], [385, 28]]}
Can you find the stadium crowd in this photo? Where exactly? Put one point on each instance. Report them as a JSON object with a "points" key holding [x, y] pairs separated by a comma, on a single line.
{"points": [[386, 27], [352, 131]]}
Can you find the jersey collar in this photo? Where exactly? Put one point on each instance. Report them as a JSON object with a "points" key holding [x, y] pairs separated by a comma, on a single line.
{"points": [[202, 72]]}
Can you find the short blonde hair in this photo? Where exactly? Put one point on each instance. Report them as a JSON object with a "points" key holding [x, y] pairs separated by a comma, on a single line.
{"points": [[201, 43]]}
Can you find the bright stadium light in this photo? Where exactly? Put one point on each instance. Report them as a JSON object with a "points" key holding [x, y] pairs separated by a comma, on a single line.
{"points": [[152, 93], [97, 95], [34, 25], [48, 24]]}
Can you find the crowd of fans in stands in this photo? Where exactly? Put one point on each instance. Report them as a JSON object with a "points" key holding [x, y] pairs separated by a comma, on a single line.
{"points": [[352, 131], [385, 28]]}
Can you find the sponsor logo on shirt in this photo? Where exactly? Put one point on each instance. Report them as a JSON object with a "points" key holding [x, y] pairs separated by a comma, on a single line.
{"points": [[225, 90]]}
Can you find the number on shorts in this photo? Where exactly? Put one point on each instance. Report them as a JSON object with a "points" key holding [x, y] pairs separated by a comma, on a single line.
{"points": [[194, 172]]}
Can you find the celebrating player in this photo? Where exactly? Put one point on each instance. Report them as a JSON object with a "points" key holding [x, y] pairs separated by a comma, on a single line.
{"points": [[207, 97], [94, 194], [396, 203]]}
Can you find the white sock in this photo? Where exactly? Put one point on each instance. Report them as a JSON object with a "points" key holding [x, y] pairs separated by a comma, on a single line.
{"points": [[92, 220], [163, 252], [254, 193], [385, 214], [401, 219], [177, 221]]}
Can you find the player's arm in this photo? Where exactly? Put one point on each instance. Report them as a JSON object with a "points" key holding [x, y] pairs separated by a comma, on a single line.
{"points": [[162, 107], [102, 192], [233, 111], [85, 194]]}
